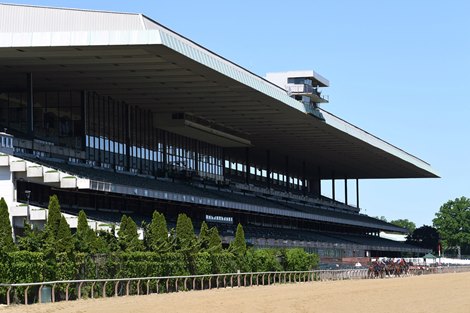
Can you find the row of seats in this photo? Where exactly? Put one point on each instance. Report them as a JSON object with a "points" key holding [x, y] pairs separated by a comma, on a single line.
{"points": [[218, 193]]}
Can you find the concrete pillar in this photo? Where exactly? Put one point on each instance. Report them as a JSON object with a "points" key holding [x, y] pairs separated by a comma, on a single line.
{"points": [[83, 112], [128, 137], [357, 193], [287, 174], [29, 106], [346, 191], [247, 166], [333, 191], [304, 180], [268, 168]]}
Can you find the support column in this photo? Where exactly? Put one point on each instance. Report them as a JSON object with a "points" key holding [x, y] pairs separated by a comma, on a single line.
{"points": [[357, 193], [128, 136], [247, 166], [29, 107], [196, 159], [287, 174], [304, 180], [346, 190], [84, 121], [223, 163], [165, 155], [333, 192], [268, 168]]}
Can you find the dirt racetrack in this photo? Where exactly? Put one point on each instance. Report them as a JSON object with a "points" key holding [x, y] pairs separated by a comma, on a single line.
{"points": [[430, 293]]}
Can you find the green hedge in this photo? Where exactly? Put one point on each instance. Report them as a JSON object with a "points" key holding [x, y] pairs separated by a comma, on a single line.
{"points": [[24, 266]]}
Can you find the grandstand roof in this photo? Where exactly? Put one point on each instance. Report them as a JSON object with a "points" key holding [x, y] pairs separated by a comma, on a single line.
{"points": [[132, 58]]}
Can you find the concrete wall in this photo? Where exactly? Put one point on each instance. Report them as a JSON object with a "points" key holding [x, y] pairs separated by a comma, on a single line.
{"points": [[7, 188]]}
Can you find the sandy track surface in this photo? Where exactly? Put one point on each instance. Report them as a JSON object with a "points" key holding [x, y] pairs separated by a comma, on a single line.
{"points": [[431, 293]]}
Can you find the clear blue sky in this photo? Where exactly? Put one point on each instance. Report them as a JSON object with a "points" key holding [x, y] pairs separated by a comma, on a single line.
{"points": [[398, 69]]}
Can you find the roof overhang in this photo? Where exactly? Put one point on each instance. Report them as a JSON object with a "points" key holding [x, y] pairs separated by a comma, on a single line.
{"points": [[162, 71]]}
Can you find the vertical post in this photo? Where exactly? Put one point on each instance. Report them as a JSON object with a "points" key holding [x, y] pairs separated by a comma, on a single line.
{"points": [[128, 135], [223, 163], [247, 166], [29, 108], [287, 174], [357, 193], [304, 179], [346, 190], [268, 168], [84, 120], [333, 195], [196, 158]]}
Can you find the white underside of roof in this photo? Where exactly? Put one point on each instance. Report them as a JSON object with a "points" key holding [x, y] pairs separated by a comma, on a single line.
{"points": [[143, 31]]}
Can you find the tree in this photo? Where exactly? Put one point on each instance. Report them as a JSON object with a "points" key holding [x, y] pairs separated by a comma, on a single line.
{"points": [[185, 238], [128, 235], [64, 239], [215, 243], [203, 238], [453, 223], [425, 237], [157, 234], [238, 245], [6, 238], [382, 218], [32, 240], [53, 217], [86, 237], [404, 223]]}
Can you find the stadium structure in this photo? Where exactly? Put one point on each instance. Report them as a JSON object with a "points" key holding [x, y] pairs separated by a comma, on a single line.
{"points": [[117, 114]]}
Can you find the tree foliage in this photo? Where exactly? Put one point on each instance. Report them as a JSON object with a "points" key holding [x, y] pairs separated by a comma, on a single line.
{"points": [[55, 254], [128, 235], [425, 237], [404, 223], [64, 239], [185, 238], [238, 245], [86, 239], [53, 218], [6, 239], [215, 243], [453, 223], [157, 234], [203, 238]]}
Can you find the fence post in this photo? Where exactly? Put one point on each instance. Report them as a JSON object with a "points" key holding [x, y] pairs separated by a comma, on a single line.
{"points": [[79, 296], [26, 295], [67, 292], [93, 290], [127, 287], [40, 293], [148, 286], [104, 289], [116, 288], [138, 287], [8, 295]]}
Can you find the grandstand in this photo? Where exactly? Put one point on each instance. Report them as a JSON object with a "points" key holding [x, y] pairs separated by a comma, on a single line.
{"points": [[117, 114]]}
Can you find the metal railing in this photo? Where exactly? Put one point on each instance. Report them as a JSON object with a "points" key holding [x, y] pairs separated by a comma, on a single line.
{"points": [[67, 290]]}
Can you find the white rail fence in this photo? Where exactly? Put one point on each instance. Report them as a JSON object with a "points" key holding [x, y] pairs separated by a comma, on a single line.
{"points": [[68, 290]]}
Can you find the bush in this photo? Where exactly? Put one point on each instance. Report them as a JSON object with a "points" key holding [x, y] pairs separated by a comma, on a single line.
{"points": [[265, 260]]}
